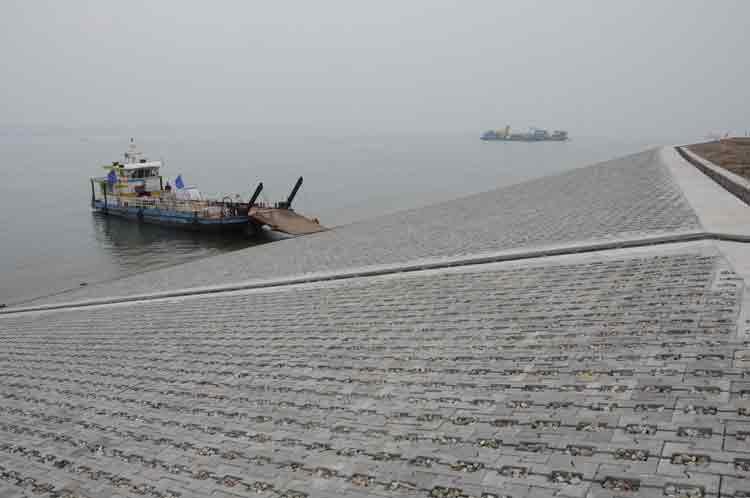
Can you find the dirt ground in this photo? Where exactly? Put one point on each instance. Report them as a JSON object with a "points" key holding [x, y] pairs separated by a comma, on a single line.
{"points": [[730, 153]]}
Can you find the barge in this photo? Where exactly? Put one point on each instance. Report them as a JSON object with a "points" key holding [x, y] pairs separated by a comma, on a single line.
{"points": [[134, 189], [533, 135]]}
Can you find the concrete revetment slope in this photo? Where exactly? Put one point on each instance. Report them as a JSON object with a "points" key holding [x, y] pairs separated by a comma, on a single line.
{"points": [[618, 371], [627, 198]]}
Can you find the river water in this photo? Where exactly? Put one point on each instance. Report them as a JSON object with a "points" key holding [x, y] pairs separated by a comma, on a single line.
{"points": [[51, 241]]}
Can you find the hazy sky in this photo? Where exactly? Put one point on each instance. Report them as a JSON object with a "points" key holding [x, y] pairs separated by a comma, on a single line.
{"points": [[595, 66]]}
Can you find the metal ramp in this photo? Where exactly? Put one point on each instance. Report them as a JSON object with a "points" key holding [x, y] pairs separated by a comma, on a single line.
{"points": [[285, 220], [281, 217]]}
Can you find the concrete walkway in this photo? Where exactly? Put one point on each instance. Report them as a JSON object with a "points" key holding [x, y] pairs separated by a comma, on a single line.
{"points": [[717, 211]]}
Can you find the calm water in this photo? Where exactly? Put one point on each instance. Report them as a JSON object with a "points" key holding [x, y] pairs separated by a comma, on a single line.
{"points": [[51, 241]]}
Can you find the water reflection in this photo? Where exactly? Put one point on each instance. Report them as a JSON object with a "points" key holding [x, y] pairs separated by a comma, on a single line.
{"points": [[136, 247]]}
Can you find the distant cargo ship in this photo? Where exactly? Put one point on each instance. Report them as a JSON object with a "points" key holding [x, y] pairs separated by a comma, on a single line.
{"points": [[533, 135]]}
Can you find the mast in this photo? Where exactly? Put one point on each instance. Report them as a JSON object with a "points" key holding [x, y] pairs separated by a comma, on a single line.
{"points": [[293, 193], [132, 154], [255, 194]]}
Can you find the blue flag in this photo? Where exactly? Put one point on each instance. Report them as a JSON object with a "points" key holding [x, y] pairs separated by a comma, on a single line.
{"points": [[112, 177], [178, 182]]}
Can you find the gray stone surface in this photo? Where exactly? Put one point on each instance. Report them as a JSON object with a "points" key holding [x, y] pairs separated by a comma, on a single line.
{"points": [[628, 197], [617, 373]]}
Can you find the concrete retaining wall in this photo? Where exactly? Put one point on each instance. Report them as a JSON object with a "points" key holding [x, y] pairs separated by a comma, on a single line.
{"points": [[735, 184]]}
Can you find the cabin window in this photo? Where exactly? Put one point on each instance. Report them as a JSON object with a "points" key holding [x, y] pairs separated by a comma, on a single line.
{"points": [[143, 173]]}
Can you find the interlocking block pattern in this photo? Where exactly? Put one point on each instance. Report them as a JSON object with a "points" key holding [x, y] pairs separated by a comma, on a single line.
{"points": [[631, 197], [611, 375]]}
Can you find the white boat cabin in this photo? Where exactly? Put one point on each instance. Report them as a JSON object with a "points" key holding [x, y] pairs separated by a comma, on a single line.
{"points": [[135, 176]]}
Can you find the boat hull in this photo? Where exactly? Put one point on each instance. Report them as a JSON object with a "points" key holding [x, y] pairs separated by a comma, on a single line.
{"points": [[178, 219], [522, 139]]}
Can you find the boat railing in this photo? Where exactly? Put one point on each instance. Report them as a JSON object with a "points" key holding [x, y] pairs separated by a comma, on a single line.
{"points": [[205, 208]]}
